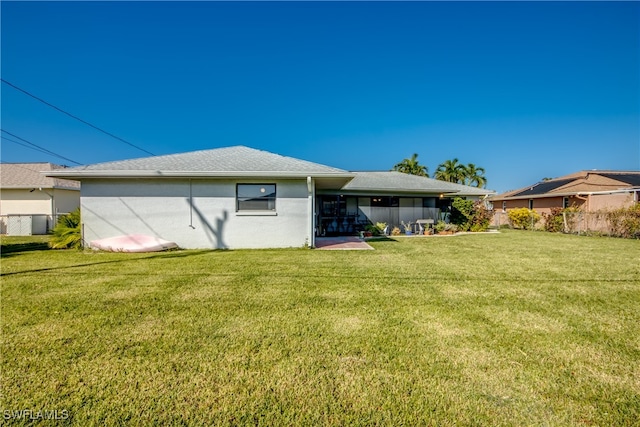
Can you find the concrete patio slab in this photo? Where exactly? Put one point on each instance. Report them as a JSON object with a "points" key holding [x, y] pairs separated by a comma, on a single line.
{"points": [[341, 243]]}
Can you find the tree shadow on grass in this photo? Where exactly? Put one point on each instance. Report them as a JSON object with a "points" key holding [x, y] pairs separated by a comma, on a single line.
{"points": [[383, 239], [10, 249], [164, 255]]}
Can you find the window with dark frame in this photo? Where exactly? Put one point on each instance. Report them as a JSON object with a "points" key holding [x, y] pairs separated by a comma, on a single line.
{"points": [[565, 202], [255, 197], [531, 204], [385, 201]]}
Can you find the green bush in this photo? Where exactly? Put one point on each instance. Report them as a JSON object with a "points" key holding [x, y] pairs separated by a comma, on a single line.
{"points": [[554, 221], [625, 222], [67, 232], [469, 215], [523, 218], [561, 220]]}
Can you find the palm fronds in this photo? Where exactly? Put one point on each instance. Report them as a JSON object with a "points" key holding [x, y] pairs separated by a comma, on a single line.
{"points": [[67, 232]]}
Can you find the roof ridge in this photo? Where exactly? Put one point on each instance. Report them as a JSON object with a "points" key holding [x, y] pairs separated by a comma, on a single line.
{"points": [[238, 159]]}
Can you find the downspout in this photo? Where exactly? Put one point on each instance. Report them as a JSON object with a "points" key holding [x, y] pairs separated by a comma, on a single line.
{"points": [[191, 204], [586, 199], [312, 214]]}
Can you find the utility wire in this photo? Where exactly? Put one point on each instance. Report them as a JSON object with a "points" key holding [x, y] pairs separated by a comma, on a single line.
{"points": [[37, 147], [74, 117], [24, 145]]}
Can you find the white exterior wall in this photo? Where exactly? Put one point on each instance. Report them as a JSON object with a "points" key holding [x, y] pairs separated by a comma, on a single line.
{"points": [[65, 201], [200, 214], [23, 202], [38, 203]]}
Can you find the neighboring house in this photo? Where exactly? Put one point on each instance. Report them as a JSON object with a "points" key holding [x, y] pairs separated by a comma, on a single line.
{"points": [[591, 191], [239, 197], [30, 202]]}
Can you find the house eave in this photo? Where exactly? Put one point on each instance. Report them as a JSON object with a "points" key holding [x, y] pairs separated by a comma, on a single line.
{"points": [[39, 187], [382, 192], [566, 194], [79, 175], [402, 192], [464, 194]]}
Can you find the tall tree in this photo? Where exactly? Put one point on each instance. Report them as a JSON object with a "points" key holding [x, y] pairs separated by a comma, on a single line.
{"points": [[451, 171], [411, 166], [454, 171], [474, 176]]}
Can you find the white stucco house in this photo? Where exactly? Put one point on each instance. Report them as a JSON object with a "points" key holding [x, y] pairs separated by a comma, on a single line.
{"points": [[239, 197], [30, 201]]}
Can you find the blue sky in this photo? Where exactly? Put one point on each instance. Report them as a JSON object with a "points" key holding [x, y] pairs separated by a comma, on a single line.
{"points": [[525, 90]]}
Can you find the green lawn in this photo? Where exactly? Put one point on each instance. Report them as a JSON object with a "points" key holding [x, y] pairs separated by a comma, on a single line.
{"points": [[508, 329]]}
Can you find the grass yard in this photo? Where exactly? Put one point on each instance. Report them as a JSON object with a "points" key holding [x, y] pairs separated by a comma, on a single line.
{"points": [[509, 329]]}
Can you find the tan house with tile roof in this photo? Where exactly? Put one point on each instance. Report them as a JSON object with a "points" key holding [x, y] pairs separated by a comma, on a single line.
{"points": [[592, 191], [30, 201]]}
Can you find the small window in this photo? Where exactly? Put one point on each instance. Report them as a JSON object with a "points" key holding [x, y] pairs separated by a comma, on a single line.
{"points": [[256, 197], [385, 202], [565, 202], [530, 203], [504, 206]]}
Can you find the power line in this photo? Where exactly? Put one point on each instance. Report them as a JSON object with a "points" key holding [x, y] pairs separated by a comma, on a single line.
{"points": [[24, 145], [37, 147], [75, 117]]}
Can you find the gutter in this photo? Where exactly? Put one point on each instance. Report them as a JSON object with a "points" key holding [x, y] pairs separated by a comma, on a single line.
{"points": [[575, 193], [193, 174], [620, 191]]}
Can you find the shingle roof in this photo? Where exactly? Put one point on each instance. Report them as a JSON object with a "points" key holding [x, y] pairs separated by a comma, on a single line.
{"points": [[629, 178], [29, 175], [543, 187], [230, 161], [582, 182], [401, 182]]}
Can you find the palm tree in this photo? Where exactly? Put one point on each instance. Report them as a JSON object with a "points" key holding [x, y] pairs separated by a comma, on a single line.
{"points": [[412, 167], [474, 176], [451, 171], [67, 232]]}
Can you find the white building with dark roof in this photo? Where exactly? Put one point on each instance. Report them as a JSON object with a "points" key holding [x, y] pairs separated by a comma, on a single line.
{"points": [[239, 197], [30, 201]]}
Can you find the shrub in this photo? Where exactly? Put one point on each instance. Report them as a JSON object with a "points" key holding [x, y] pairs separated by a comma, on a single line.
{"points": [[372, 229], [461, 213], [442, 226], [562, 220], [625, 222], [523, 218], [67, 232], [554, 221], [382, 227], [470, 215], [451, 228]]}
